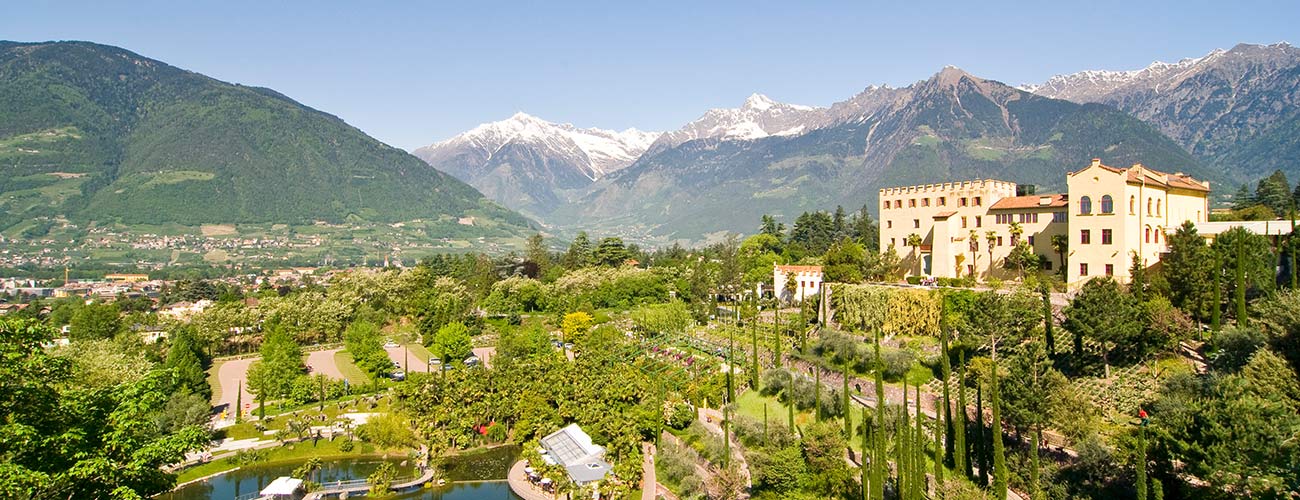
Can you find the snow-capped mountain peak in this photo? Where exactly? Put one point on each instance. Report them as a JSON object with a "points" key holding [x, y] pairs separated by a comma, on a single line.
{"points": [[758, 117]]}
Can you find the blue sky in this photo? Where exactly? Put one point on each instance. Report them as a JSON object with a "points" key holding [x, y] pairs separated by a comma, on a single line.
{"points": [[412, 73]]}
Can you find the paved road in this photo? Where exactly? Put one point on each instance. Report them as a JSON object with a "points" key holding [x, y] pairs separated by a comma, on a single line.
{"points": [[398, 354], [323, 362], [229, 377]]}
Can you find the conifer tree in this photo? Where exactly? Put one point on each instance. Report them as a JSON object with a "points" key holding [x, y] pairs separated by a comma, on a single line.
{"points": [[1240, 291], [901, 455], [961, 460], [940, 446], [999, 454], [946, 370], [868, 453], [878, 465], [1142, 463], [817, 392], [848, 422], [776, 335], [981, 445], [1035, 483], [918, 451], [1048, 320], [754, 366], [1217, 311]]}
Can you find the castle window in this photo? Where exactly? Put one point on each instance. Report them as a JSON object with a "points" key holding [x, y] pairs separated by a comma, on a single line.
{"points": [[1148, 206], [916, 223], [1132, 205], [889, 224], [1059, 216], [943, 200], [977, 201], [963, 222], [1148, 234], [1105, 237], [886, 207], [1085, 236], [961, 202], [999, 241], [1085, 205], [1157, 208], [925, 202], [979, 221], [1083, 269], [1157, 235], [1110, 269], [911, 203], [1031, 240], [1107, 205]]}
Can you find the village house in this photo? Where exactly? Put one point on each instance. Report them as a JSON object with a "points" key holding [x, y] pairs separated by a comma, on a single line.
{"points": [[794, 283]]}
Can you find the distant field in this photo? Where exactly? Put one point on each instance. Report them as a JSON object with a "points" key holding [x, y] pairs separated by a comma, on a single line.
{"points": [[218, 229]]}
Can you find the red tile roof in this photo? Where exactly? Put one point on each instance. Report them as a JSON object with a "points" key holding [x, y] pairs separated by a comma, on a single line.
{"points": [[1174, 180], [945, 215], [1030, 201]]}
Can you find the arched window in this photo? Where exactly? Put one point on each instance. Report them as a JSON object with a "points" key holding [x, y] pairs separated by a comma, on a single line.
{"points": [[1157, 208], [1148, 206], [1148, 234], [1107, 205], [1158, 231], [1085, 205], [1132, 205]]}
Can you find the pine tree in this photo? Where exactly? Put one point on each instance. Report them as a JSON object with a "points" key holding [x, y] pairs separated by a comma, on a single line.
{"points": [[999, 454], [183, 360]]}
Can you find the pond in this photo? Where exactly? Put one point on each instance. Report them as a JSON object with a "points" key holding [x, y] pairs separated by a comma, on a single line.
{"points": [[465, 473]]}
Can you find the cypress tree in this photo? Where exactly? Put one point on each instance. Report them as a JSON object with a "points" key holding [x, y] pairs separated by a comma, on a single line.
{"points": [[1157, 489], [1142, 463], [753, 374], [1048, 320], [999, 454], [731, 365], [1035, 483], [817, 392], [940, 447], [902, 430], [918, 451], [239, 402], [961, 459], [867, 454], [981, 446], [1215, 321], [946, 370], [878, 466], [776, 335], [726, 437], [848, 422], [1240, 292]]}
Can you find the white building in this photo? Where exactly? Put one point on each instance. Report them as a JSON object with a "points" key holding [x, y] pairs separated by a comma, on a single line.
{"points": [[793, 283], [572, 449]]}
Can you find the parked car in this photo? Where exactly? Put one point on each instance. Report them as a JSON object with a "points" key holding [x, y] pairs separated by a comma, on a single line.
{"points": [[471, 361], [398, 375], [390, 344]]}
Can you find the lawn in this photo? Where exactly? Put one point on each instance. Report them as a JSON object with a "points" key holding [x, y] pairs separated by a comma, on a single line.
{"points": [[419, 351], [350, 371]]}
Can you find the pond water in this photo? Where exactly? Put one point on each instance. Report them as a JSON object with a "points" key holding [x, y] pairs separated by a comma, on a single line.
{"points": [[490, 465]]}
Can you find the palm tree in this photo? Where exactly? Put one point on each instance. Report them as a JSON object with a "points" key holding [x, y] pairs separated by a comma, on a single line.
{"points": [[1016, 231], [974, 251], [1061, 244], [914, 241], [991, 237]]}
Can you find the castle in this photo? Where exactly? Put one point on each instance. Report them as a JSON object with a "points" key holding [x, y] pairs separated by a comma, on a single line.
{"points": [[1106, 215]]}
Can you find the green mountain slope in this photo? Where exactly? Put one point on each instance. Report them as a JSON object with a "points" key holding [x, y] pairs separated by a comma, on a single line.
{"points": [[92, 132]]}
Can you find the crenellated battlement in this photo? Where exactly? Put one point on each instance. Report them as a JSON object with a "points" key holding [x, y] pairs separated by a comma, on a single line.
{"points": [[949, 187]]}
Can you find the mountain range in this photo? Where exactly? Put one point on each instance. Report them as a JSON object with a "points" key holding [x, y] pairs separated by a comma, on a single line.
{"points": [[1227, 117], [1237, 110], [99, 134]]}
